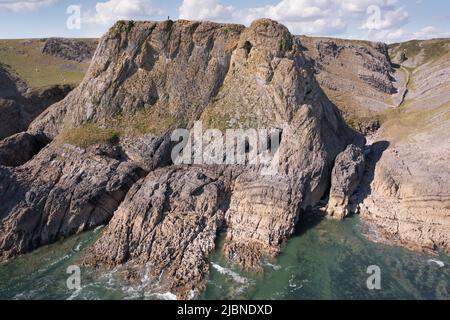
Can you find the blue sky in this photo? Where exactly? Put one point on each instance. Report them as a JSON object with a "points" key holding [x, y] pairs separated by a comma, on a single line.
{"points": [[380, 20]]}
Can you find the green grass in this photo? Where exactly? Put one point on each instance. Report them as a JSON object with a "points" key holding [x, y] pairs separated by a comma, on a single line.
{"points": [[139, 123], [409, 71], [87, 135], [431, 49], [401, 123], [436, 50], [120, 27], [38, 70]]}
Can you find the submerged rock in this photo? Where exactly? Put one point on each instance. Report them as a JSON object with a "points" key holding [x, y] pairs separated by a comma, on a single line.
{"points": [[69, 49], [169, 220]]}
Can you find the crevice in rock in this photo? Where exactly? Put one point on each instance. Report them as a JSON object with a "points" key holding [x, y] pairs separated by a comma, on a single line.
{"points": [[374, 153]]}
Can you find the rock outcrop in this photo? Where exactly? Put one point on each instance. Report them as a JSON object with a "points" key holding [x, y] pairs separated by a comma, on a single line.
{"points": [[347, 175], [409, 193], [167, 215], [227, 76], [139, 65], [60, 192], [169, 220], [70, 49], [357, 77], [10, 84], [19, 148]]}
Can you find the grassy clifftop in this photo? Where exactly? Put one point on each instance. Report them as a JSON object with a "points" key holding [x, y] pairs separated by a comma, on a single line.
{"points": [[25, 58]]}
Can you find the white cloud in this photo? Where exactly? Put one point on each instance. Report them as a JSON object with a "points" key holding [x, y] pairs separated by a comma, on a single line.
{"points": [[360, 6], [204, 9], [430, 32], [389, 35], [390, 19], [300, 16], [108, 12], [400, 35], [23, 5]]}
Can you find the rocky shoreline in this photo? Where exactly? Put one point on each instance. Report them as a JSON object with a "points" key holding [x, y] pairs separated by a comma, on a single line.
{"points": [[158, 213]]}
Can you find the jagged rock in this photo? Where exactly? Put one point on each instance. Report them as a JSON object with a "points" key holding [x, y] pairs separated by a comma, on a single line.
{"points": [[260, 68], [228, 76], [169, 220], [328, 49], [70, 49], [378, 82], [141, 68], [368, 126], [148, 151], [408, 196], [60, 192], [345, 179], [357, 76], [409, 200]]}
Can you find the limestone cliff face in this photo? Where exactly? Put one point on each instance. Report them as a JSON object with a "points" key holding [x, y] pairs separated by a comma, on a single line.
{"points": [[404, 190], [168, 74], [60, 192], [227, 76], [172, 67], [357, 76], [409, 199]]}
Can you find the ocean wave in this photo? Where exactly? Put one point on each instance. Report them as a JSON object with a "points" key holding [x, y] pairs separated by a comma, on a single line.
{"points": [[439, 263], [273, 266], [164, 296], [235, 276]]}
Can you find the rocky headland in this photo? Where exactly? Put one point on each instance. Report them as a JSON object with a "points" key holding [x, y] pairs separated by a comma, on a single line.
{"points": [[102, 155]]}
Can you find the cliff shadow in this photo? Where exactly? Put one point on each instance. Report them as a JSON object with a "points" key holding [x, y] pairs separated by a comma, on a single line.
{"points": [[307, 220]]}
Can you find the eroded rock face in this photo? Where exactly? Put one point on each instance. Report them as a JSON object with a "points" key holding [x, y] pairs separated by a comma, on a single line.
{"points": [[70, 49], [408, 196], [10, 84], [179, 210], [142, 68], [60, 192], [227, 76], [347, 174], [169, 220], [357, 77], [409, 199]]}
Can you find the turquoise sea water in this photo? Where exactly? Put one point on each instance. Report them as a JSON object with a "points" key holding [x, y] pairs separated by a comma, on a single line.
{"points": [[325, 260]]}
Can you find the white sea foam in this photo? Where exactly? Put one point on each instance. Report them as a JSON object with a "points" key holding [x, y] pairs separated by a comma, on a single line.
{"points": [[164, 296], [78, 247], [235, 276], [98, 228], [273, 266], [75, 294], [441, 264]]}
